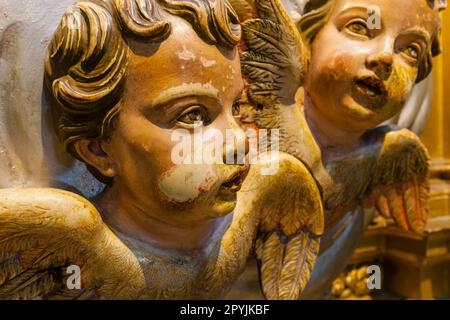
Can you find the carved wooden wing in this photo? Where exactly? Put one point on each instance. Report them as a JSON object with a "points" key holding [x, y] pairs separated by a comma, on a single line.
{"points": [[291, 222], [400, 186], [289, 203], [274, 57], [46, 234]]}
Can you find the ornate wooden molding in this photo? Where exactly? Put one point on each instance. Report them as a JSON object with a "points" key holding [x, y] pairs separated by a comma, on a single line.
{"points": [[413, 266]]}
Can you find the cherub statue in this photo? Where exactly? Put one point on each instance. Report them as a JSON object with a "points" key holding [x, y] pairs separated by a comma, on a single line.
{"points": [[122, 75], [329, 82]]}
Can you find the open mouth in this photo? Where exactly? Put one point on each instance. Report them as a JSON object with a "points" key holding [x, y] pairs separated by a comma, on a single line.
{"points": [[370, 91], [234, 183]]}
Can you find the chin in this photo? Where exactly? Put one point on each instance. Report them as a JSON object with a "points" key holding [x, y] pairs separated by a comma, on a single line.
{"points": [[223, 208], [359, 115]]}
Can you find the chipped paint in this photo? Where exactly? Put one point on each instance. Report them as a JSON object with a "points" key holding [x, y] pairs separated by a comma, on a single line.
{"points": [[186, 89], [186, 54], [185, 183], [207, 63]]}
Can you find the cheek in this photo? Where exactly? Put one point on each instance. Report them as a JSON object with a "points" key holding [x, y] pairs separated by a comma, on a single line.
{"points": [[401, 83], [330, 68], [141, 152], [186, 183]]}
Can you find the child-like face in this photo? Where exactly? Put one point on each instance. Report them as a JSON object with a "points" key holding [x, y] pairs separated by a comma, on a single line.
{"points": [[361, 76], [169, 86]]}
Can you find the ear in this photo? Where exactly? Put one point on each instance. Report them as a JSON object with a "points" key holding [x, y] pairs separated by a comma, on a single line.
{"points": [[93, 153]]}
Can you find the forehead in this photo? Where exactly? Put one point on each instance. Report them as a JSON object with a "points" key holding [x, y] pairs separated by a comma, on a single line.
{"points": [[183, 59], [397, 15]]}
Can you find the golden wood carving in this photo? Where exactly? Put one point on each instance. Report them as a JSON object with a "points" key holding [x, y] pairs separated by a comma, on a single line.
{"points": [[332, 131], [351, 285], [413, 266], [327, 100], [121, 75]]}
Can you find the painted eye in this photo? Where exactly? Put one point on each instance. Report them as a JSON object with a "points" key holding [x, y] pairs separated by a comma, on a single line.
{"points": [[236, 108], [412, 51], [358, 27], [194, 115]]}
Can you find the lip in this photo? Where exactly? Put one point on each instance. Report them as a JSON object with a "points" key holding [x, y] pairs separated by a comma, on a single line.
{"points": [[370, 92], [234, 182]]}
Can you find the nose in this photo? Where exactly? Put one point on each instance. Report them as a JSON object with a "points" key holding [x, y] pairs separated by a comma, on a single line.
{"points": [[236, 144], [381, 59], [381, 64]]}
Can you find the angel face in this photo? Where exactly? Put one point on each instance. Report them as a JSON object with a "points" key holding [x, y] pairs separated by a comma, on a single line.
{"points": [[361, 76], [171, 86]]}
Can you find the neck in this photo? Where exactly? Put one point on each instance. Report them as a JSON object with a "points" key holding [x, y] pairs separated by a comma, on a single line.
{"points": [[121, 213], [326, 133]]}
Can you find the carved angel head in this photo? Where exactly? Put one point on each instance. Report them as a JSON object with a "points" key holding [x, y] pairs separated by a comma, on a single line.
{"points": [[124, 75], [367, 55]]}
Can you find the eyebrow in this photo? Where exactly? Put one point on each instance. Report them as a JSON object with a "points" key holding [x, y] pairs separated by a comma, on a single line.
{"points": [[419, 32], [345, 11], [350, 11], [186, 90]]}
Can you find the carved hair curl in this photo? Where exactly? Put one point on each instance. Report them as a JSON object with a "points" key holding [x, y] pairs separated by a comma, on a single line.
{"points": [[317, 12], [88, 56]]}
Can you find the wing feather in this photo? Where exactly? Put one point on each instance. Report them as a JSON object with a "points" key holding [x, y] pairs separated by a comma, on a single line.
{"points": [[290, 225], [297, 268], [400, 187], [272, 255], [275, 54], [383, 207]]}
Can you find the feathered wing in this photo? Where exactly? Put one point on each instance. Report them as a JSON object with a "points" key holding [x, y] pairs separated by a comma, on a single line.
{"points": [[275, 57], [289, 204], [45, 231], [274, 60], [400, 186], [290, 223]]}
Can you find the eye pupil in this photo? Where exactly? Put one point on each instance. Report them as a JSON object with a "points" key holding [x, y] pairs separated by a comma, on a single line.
{"points": [[413, 52], [358, 28], [193, 117]]}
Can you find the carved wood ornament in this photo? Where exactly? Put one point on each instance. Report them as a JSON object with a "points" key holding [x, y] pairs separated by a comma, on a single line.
{"points": [[122, 75]]}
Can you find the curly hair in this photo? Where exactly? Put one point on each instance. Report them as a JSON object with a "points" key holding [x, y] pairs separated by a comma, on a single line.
{"points": [[316, 14], [87, 58]]}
